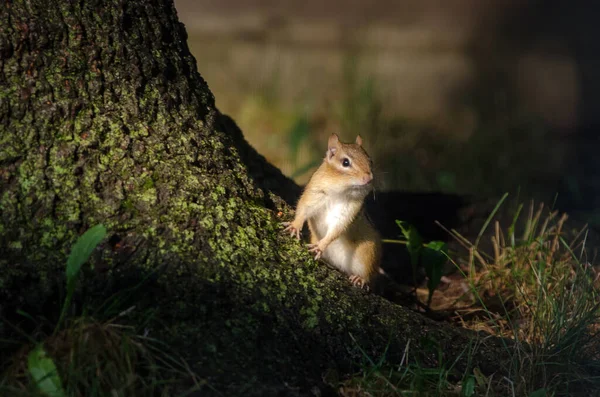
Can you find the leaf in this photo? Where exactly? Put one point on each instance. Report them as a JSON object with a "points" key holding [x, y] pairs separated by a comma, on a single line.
{"points": [[468, 388], [511, 229], [44, 373], [538, 393], [404, 226], [415, 242], [434, 256], [82, 250], [80, 253]]}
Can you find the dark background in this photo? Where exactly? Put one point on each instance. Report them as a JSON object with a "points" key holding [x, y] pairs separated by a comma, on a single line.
{"points": [[464, 96]]}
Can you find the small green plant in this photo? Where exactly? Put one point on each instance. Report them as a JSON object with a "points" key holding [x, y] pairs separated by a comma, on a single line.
{"points": [[41, 367], [80, 253], [85, 357], [44, 373], [432, 256]]}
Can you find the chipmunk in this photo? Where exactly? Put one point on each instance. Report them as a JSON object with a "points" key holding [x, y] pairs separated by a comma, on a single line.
{"points": [[332, 203]]}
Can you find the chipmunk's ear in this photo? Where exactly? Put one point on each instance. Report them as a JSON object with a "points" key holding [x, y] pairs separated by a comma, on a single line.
{"points": [[332, 145], [358, 140]]}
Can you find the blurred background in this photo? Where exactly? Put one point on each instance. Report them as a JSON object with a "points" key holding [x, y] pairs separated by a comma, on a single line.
{"points": [[463, 96]]}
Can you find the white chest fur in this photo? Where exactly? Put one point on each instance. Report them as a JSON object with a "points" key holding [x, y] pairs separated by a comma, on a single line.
{"points": [[338, 211], [339, 214]]}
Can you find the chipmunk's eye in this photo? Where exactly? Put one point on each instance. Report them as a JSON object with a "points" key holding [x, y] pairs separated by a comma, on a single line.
{"points": [[346, 162]]}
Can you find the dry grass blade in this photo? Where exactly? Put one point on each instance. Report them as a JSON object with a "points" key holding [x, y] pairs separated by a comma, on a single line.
{"points": [[537, 291]]}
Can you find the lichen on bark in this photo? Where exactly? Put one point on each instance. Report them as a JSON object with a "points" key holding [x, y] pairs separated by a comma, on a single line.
{"points": [[105, 119]]}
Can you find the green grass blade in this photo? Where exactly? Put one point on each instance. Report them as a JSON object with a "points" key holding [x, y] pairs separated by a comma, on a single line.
{"points": [[468, 388], [83, 248], [80, 253], [489, 219], [513, 225]]}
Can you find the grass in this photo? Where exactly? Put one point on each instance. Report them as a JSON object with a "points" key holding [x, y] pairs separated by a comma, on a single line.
{"points": [[536, 287], [81, 356], [411, 378], [100, 359]]}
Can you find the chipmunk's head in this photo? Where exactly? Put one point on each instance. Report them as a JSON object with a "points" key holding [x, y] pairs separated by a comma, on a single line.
{"points": [[350, 162]]}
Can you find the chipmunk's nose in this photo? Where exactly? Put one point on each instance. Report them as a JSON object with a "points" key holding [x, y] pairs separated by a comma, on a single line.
{"points": [[368, 178]]}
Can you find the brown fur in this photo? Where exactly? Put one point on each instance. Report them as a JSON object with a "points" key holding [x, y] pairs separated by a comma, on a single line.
{"points": [[332, 203]]}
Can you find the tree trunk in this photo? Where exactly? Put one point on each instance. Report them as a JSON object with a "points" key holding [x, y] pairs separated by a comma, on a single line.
{"points": [[105, 119]]}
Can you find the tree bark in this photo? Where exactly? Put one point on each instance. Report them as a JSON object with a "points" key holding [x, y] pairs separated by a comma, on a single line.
{"points": [[105, 119]]}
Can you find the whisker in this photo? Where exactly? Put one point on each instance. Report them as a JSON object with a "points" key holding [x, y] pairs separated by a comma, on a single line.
{"points": [[374, 192]]}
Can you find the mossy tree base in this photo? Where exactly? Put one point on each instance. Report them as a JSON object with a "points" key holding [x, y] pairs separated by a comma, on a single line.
{"points": [[104, 119]]}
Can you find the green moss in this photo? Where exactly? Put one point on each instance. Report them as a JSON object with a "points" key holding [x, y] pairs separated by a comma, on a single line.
{"points": [[16, 245]]}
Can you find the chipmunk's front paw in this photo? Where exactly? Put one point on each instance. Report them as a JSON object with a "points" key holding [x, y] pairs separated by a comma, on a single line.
{"points": [[293, 230], [315, 249]]}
